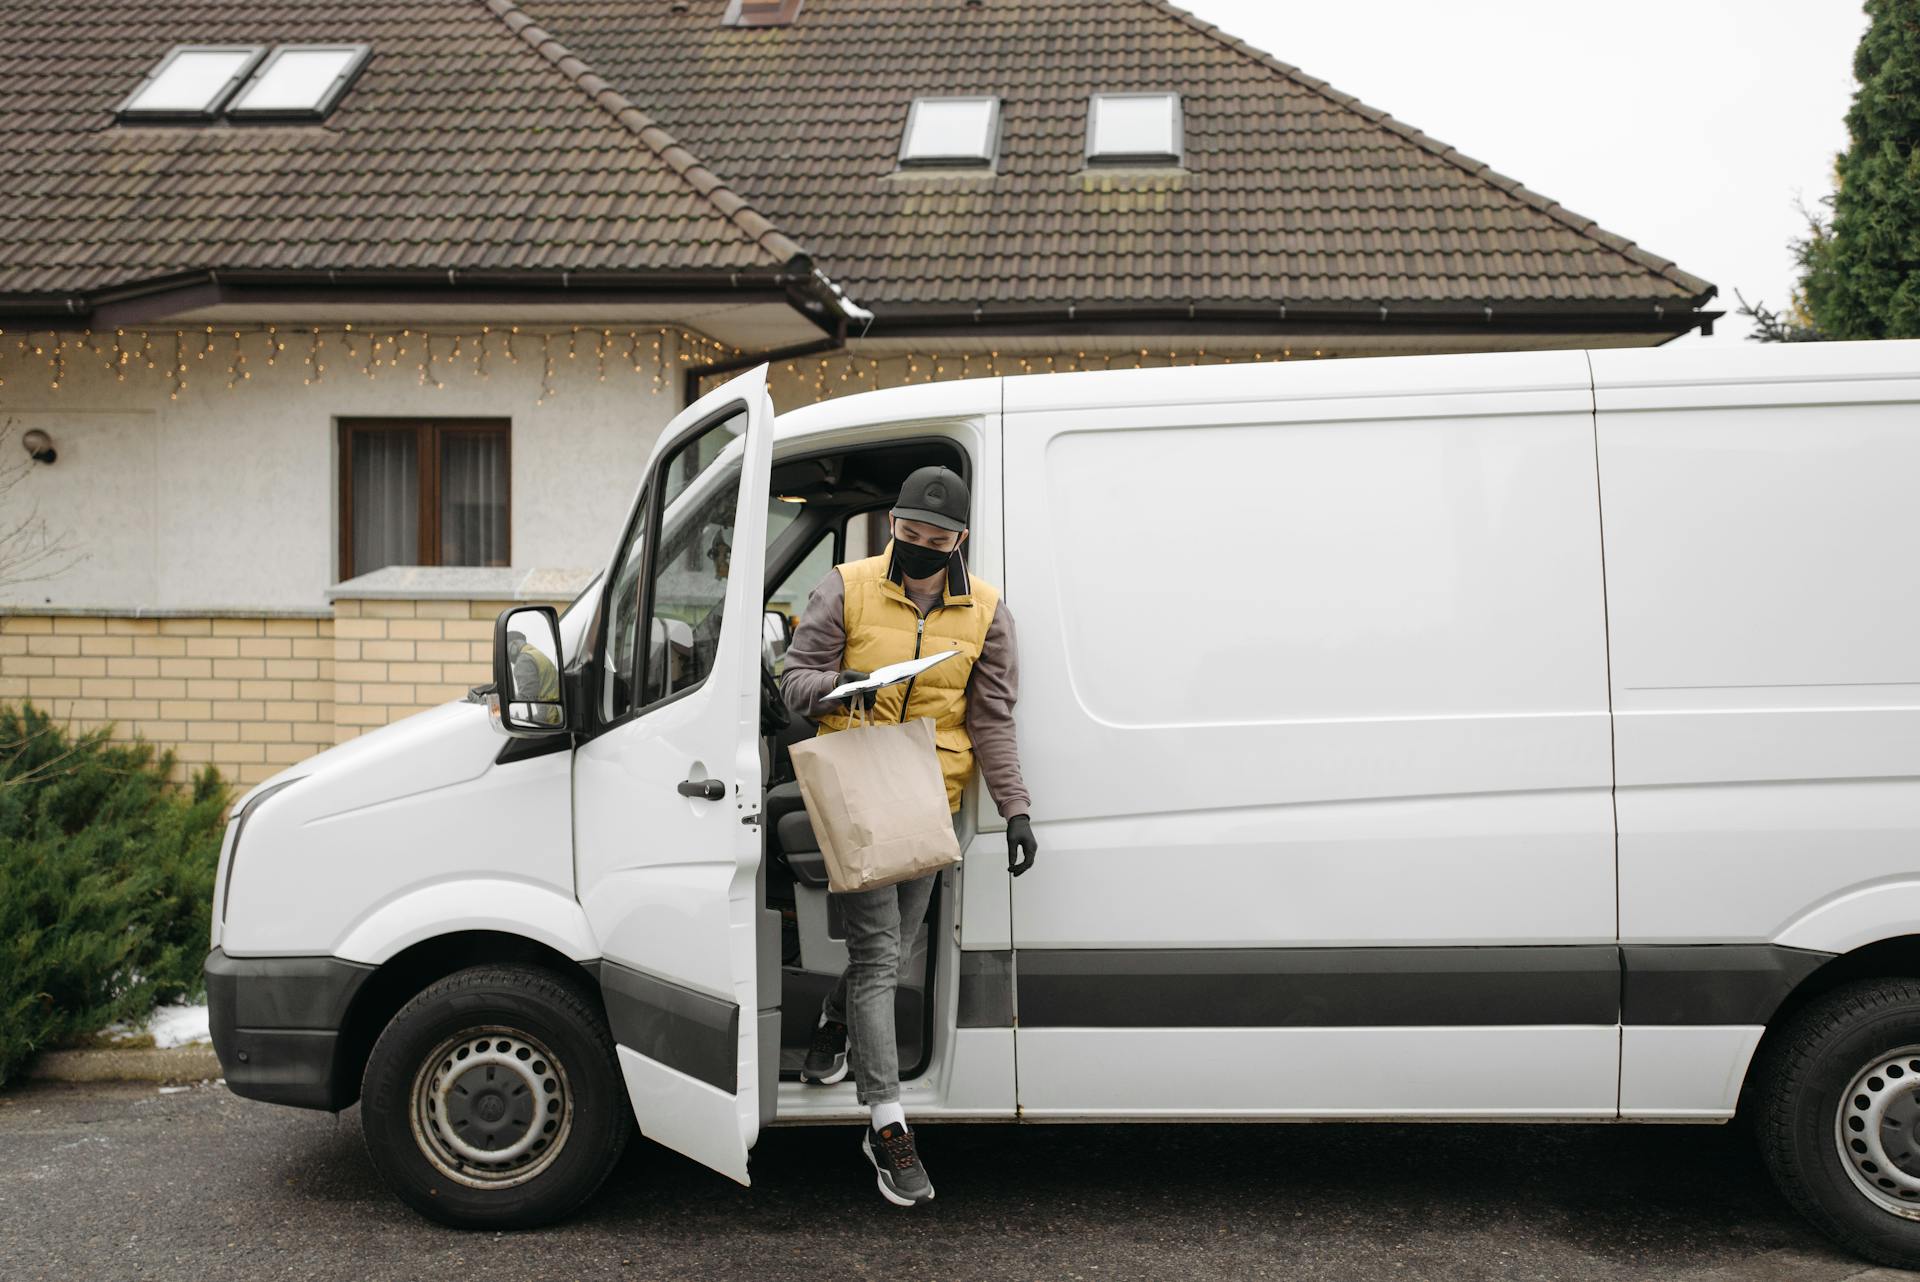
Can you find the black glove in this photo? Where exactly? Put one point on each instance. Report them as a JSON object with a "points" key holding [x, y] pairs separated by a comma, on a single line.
{"points": [[1021, 846], [864, 698]]}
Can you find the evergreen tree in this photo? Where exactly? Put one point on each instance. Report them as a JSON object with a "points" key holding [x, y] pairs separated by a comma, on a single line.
{"points": [[106, 881], [1862, 279]]}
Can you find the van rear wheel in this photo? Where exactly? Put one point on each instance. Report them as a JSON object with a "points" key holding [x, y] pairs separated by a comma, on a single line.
{"points": [[1840, 1116], [493, 1099]]}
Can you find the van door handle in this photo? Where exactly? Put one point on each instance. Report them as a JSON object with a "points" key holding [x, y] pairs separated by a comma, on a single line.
{"points": [[705, 789]]}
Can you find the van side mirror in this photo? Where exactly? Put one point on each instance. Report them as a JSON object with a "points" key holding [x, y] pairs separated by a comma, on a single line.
{"points": [[529, 698], [776, 632]]}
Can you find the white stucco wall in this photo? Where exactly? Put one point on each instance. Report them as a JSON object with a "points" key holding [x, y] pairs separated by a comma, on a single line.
{"points": [[228, 499]]}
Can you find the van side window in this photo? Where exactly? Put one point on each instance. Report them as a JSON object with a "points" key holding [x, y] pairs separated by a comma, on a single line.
{"points": [[790, 597], [685, 579], [619, 664]]}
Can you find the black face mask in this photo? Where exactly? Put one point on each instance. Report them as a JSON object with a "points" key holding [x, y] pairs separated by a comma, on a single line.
{"points": [[918, 562]]}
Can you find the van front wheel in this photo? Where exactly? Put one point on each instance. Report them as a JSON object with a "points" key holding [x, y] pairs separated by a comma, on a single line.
{"points": [[1840, 1120], [494, 1099]]}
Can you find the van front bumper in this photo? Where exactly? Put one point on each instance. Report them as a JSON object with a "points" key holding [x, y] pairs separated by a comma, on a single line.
{"points": [[276, 1025]]}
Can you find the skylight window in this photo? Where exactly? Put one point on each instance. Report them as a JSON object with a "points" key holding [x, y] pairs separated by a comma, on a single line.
{"points": [[192, 81], [300, 80], [1135, 129], [951, 131]]}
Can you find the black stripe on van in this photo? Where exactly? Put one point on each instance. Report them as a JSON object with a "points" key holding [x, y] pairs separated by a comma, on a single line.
{"points": [[1316, 987], [1712, 983], [1400, 986], [683, 1028]]}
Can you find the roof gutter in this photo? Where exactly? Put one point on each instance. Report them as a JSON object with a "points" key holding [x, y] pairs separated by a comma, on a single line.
{"points": [[157, 299], [1281, 319]]}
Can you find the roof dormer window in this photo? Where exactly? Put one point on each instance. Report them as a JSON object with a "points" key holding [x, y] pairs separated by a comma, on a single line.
{"points": [[952, 132], [300, 80], [1135, 129], [192, 82]]}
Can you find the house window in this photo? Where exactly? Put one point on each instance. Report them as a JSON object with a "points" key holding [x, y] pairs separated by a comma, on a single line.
{"points": [[951, 131], [300, 81], [1135, 129], [423, 492], [192, 81]]}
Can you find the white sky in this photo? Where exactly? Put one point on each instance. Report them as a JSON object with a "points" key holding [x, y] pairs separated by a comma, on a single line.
{"points": [[1686, 126]]}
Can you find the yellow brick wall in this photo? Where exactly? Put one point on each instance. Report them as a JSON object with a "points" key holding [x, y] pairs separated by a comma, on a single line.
{"points": [[395, 658], [250, 694]]}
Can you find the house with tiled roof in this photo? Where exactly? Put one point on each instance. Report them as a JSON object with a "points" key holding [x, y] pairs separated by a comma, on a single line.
{"points": [[331, 326]]}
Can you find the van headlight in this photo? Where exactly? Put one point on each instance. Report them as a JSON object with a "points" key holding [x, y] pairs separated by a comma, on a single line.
{"points": [[239, 823]]}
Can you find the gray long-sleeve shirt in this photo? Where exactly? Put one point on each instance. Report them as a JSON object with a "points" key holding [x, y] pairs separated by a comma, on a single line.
{"points": [[817, 654]]}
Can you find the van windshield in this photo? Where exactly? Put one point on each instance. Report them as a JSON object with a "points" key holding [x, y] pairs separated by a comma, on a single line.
{"points": [[583, 594]]}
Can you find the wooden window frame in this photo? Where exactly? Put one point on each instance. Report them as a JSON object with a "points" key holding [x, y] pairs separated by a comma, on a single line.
{"points": [[427, 451]]}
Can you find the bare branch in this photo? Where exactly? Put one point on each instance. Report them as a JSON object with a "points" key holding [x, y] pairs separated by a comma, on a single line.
{"points": [[29, 551]]}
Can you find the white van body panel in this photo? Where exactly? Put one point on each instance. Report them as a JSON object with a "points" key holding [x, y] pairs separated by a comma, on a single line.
{"points": [[378, 830], [1684, 1073], [1312, 656], [1461, 1073], [540, 913], [1764, 611], [1412, 654], [1858, 916]]}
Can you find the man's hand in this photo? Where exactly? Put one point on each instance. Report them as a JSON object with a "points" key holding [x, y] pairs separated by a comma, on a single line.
{"points": [[862, 698], [1021, 846]]}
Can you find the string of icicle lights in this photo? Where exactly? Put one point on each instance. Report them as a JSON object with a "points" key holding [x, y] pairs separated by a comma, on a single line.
{"points": [[842, 373], [181, 356]]}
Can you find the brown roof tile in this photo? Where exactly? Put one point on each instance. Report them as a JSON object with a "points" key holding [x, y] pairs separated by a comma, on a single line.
{"points": [[623, 135], [471, 140], [1291, 190]]}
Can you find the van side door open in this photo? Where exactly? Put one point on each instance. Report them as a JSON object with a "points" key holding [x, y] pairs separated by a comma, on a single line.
{"points": [[667, 788]]}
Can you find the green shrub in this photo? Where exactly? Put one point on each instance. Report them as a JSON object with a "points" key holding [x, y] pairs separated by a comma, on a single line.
{"points": [[106, 881]]}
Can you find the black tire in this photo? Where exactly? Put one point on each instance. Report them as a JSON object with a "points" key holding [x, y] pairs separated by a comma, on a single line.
{"points": [[485, 1060], [1809, 1107]]}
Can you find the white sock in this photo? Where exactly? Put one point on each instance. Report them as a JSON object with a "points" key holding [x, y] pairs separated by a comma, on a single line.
{"points": [[890, 1112]]}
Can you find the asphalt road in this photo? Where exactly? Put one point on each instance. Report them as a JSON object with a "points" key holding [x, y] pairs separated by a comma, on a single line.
{"points": [[120, 1181]]}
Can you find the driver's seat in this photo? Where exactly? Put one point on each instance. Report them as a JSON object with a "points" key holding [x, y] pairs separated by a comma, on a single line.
{"points": [[793, 835]]}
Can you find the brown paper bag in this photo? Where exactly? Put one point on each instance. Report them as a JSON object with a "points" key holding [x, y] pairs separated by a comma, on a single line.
{"points": [[878, 804]]}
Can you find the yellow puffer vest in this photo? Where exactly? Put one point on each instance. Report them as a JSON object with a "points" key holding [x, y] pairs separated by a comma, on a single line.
{"points": [[884, 627]]}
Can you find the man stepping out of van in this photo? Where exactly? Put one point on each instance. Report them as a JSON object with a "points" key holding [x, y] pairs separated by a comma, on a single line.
{"points": [[862, 616]]}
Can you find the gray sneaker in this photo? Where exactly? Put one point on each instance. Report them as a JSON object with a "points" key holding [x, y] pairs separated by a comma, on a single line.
{"points": [[826, 1060], [901, 1175]]}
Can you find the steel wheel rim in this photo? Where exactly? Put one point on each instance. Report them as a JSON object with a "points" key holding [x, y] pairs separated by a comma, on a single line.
{"points": [[492, 1107], [1877, 1130]]}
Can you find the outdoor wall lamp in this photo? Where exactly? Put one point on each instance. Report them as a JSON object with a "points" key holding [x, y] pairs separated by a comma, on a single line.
{"points": [[40, 445]]}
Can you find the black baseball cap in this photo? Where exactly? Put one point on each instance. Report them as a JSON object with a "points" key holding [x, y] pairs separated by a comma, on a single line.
{"points": [[935, 495]]}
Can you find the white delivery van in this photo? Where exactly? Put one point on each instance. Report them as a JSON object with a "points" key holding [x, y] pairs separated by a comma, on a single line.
{"points": [[1517, 736]]}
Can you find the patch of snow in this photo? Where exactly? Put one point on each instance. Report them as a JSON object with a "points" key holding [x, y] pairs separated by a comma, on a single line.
{"points": [[174, 1025], [168, 1026]]}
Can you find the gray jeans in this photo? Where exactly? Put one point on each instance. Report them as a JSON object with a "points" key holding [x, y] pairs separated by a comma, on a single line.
{"points": [[881, 925]]}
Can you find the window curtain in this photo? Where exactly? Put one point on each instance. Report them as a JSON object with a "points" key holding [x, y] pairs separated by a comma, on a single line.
{"points": [[386, 500], [473, 498]]}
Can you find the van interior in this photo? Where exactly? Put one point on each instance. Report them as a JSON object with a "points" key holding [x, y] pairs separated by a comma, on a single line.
{"points": [[828, 508]]}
